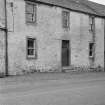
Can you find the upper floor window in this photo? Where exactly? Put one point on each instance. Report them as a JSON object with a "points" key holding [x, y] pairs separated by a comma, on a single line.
{"points": [[91, 23], [30, 12], [65, 16], [31, 48]]}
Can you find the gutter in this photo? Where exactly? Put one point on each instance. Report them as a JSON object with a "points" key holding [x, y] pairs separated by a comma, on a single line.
{"points": [[75, 10], [6, 40]]}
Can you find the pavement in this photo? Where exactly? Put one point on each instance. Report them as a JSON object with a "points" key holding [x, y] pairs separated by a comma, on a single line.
{"points": [[53, 89]]}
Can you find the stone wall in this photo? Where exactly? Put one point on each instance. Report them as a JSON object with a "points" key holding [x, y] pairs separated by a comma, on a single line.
{"points": [[49, 34], [100, 26]]}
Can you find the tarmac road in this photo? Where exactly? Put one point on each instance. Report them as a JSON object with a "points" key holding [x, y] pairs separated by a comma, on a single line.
{"points": [[79, 91]]}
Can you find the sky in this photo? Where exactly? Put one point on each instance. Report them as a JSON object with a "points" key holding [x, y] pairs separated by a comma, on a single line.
{"points": [[99, 1]]}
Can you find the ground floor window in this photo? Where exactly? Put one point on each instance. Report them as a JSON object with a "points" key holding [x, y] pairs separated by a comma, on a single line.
{"points": [[31, 48], [91, 49]]}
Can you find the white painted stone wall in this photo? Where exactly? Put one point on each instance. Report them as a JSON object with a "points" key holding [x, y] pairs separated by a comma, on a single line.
{"points": [[80, 38], [49, 33], [100, 26]]}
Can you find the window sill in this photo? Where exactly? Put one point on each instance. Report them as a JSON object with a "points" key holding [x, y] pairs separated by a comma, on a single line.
{"points": [[31, 23], [91, 57], [31, 58], [66, 28]]}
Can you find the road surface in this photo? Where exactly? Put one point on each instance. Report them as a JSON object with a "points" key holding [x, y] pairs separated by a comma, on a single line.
{"points": [[79, 91]]}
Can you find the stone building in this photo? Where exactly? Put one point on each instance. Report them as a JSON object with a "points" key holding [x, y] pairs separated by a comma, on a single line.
{"points": [[51, 35]]}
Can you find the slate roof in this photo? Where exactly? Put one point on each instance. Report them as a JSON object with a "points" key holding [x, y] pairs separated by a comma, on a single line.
{"points": [[78, 5], [98, 8]]}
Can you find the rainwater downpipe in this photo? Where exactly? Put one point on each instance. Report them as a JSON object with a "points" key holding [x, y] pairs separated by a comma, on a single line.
{"points": [[6, 40]]}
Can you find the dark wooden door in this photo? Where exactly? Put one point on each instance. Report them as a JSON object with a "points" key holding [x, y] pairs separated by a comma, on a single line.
{"points": [[65, 52]]}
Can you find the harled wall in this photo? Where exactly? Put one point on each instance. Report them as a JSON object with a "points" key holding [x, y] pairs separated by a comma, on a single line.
{"points": [[49, 34]]}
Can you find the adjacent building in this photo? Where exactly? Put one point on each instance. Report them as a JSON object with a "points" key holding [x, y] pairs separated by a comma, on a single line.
{"points": [[51, 35]]}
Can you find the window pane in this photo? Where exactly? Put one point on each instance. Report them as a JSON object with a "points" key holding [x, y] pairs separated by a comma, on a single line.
{"points": [[65, 23], [90, 53], [34, 14], [30, 43], [91, 47], [30, 51], [29, 8], [30, 12], [90, 20], [29, 17], [65, 19]]}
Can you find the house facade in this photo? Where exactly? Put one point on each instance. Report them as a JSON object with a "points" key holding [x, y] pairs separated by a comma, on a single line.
{"points": [[49, 35]]}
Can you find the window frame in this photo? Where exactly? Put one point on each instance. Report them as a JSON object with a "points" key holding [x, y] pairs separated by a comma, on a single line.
{"points": [[34, 56], [91, 23], [66, 17], [34, 14]]}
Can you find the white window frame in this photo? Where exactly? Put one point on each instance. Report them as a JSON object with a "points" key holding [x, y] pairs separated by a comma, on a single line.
{"points": [[34, 14], [91, 23], [65, 19], [34, 56]]}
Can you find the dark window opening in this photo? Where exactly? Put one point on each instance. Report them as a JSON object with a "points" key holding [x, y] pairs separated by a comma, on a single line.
{"points": [[31, 48], [91, 49]]}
